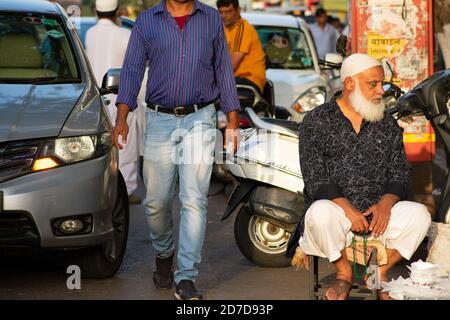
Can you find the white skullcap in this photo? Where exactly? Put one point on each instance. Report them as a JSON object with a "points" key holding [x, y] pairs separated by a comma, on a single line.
{"points": [[357, 63], [106, 5]]}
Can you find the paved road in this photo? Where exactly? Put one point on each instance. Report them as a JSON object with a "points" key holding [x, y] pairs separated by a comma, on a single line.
{"points": [[224, 272]]}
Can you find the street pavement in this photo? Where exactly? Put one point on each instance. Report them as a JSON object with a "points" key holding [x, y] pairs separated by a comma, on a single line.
{"points": [[224, 272]]}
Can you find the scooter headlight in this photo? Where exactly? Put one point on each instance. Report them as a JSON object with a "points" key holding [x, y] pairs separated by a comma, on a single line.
{"points": [[310, 99]]}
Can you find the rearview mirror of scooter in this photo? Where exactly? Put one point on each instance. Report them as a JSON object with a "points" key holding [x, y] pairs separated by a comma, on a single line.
{"points": [[342, 45]]}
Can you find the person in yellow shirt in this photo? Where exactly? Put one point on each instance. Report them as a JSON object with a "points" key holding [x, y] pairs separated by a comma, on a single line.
{"points": [[247, 54]]}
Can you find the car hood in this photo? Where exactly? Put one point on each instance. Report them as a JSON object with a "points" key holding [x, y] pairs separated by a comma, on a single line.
{"points": [[35, 111], [288, 82]]}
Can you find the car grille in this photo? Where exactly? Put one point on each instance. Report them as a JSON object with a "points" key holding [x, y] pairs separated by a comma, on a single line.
{"points": [[16, 158], [18, 229]]}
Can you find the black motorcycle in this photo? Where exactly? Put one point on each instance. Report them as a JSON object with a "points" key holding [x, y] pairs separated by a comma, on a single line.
{"points": [[431, 99]]}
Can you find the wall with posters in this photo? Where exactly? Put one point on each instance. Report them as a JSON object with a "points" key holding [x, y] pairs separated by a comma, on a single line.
{"points": [[400, 32]]}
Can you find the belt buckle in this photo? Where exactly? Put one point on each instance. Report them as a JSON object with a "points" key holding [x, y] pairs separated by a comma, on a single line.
{"points": [[176, 112]]}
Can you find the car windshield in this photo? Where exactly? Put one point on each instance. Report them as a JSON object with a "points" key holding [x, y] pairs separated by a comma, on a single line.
{"points": [[285, 48], [35, 48]]}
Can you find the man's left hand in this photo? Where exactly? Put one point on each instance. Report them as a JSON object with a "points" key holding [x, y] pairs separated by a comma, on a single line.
{"points": [[381, 214]]}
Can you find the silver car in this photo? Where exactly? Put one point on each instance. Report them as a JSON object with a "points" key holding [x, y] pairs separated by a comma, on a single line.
{"points": [[60, 186]]}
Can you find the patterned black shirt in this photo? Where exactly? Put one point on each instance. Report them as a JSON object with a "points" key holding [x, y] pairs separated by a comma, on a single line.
{"points": [[336, 162]]}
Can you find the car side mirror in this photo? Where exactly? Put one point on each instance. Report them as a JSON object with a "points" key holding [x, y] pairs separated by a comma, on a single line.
{"points": [[334, 58], [334, 62], [110, 83]]}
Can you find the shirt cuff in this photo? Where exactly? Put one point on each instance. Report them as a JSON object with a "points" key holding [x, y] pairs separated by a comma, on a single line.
{"points": [[130, 102], [229, 106], [398, 189], [329, 192]]}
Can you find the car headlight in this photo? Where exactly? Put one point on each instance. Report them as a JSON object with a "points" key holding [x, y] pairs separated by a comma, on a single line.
{"points": [[310, 99], [63, 151]]}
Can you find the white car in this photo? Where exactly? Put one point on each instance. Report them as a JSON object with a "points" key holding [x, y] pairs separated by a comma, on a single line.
{"points": [[292, 62]]}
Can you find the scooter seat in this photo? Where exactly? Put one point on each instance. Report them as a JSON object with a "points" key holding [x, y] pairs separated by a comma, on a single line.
{"points": [[287, 124]]}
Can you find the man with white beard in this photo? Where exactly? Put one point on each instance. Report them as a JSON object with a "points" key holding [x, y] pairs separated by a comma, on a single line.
{"points": [[356, 178]]}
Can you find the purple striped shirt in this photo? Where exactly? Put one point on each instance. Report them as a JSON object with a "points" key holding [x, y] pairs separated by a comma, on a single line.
{"points": [[186, 66]]}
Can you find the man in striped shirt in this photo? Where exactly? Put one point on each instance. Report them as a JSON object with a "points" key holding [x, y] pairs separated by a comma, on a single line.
{"points": [[247, 54], [183, 43]]}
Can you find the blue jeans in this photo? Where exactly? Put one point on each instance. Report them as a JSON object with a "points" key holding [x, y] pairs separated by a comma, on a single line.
{"points": [[179, 148]]}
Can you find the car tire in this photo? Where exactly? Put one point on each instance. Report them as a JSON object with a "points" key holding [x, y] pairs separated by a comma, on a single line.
{"points": [[104, 260], [256, 251]]}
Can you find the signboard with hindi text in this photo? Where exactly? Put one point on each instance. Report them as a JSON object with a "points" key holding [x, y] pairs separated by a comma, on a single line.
{"points": [[399, 32]]}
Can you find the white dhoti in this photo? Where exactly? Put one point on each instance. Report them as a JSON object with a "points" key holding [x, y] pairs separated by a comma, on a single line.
{"points": [[129, 155], [328, 231], [140, 114]]}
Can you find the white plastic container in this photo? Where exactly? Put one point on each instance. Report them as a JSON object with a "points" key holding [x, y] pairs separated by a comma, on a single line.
{"points": [[423, 281], [423, 274]]}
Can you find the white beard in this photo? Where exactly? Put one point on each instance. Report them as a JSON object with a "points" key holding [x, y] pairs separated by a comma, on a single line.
{"points": [[368, 110]]}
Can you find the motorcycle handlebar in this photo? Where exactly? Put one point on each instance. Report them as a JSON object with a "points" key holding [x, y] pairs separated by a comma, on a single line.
{"points": [[330, 64], [392, 110]]}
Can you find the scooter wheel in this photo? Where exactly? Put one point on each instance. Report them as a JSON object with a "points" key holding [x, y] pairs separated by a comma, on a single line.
{"points": [[259, 241]]}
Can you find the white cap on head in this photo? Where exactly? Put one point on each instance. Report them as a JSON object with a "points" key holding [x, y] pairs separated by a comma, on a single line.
{"points": [[106, 5], [357, 63]]}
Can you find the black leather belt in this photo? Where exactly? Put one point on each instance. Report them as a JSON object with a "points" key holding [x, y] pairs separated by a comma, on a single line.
{"points": [[179, 111]]}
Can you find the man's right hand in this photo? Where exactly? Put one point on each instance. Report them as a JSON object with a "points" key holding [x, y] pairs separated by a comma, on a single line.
{"points": [[357, 218], [232, 134], [121, 127]]}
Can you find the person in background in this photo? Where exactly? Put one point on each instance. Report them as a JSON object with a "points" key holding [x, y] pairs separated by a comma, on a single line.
{"points": [[247, 54], [336, 23], [106, 44], [324, 34]]}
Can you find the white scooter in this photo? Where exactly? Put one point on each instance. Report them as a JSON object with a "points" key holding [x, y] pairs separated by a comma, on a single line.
{"points": [[269, 192]]}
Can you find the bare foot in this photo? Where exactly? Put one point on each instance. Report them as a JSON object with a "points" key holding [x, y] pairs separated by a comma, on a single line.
{"points": [[300, 259], [306, 261], [383, 295], [339, 290]]}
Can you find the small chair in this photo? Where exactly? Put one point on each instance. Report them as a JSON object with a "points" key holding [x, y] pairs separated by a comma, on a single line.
{"points": [[317, 289]]}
